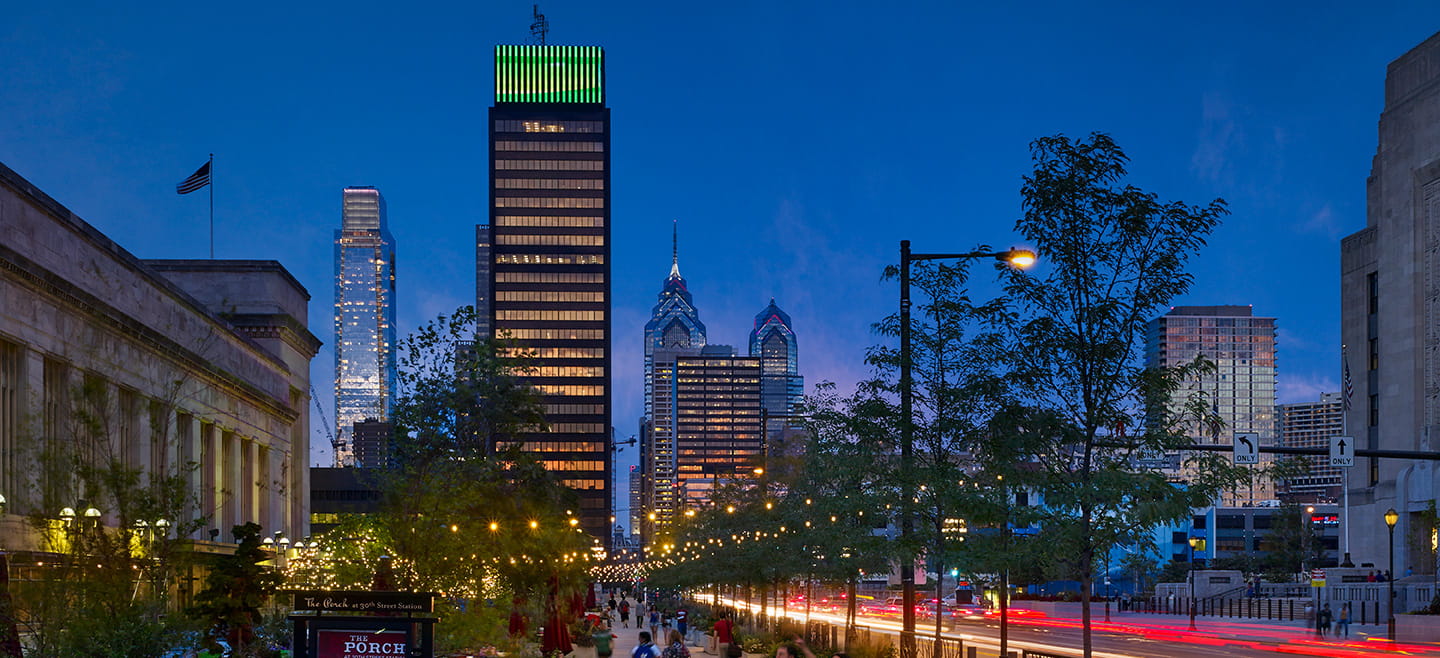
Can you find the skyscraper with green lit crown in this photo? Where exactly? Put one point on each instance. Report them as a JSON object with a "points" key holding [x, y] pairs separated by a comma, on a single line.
{"points": [[543, 261]]}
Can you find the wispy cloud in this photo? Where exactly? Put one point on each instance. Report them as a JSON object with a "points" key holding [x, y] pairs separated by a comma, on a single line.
{"points": [[1323, 222], [1219, 137], [1304, 387]]}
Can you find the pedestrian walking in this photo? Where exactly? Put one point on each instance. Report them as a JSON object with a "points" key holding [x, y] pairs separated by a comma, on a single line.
{"points": [[654, 621], [680, 623], [604, 639], [724, 632], [677, 647], [646, 648], [1322, 621], [1342, 623], [624, 613]]}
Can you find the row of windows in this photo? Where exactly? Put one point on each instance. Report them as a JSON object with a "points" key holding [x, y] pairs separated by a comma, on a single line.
{"points": [[541, 220], [548, 202], [532, 314], [569, 389], [552, 240], [551, 334], [556, 352], [568, 371], [548, 296], [549, 277], [549, 147], [532, 126], [573, 465], [550, 184], [551, 165], [551, 259], [583, 485], [570, 428], [552, 446], [574, 409]]}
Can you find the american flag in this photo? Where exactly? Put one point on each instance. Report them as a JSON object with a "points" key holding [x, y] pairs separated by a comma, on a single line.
{"points": [[1349, 385], [197, 180]]}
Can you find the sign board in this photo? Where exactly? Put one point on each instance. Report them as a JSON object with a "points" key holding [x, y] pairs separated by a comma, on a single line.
{"points": [[1342, 451], [361, 644], [1247, 448], [1317, 577], [402, 602]]}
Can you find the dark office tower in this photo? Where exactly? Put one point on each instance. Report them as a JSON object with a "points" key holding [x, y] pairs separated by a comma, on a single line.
{"points": [[372, 444], [546, 282], [781, 386], [717, 423], [364, 316]]}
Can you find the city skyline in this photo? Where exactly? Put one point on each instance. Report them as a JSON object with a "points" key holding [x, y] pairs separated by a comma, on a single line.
{"points": [[87, 130]]}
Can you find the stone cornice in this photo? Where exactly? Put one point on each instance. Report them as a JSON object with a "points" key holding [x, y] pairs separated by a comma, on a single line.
{"points": [[44, 282]]}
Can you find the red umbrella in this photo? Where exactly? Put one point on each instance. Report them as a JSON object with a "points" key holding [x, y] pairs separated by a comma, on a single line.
{"points": [[557, 635], [517, 620]]}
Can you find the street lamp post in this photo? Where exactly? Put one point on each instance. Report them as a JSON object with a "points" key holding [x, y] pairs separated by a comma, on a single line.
{"points": [[1019, 258], [1194, 543], [1391, 517]]}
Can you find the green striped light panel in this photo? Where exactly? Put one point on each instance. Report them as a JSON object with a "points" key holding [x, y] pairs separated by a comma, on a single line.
{"points": [[549, 74]]}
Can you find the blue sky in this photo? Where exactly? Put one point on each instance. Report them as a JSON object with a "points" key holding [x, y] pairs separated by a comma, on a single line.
{"points": [[795, 143]]}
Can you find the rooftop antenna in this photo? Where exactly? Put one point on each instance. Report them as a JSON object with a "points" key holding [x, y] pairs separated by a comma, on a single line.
{"points": [[540, 27]]}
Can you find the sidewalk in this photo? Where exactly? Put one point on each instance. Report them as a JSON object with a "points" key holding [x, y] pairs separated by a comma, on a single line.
{"points": [[629, 638]]}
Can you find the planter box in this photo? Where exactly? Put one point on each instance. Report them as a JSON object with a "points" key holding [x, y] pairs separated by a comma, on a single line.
{"points": [[1417, 628]]}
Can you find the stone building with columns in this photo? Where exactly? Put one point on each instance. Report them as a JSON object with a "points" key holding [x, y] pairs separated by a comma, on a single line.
{"points": [[193, 368]]}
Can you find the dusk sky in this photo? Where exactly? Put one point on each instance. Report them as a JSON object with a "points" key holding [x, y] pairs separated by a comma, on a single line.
{"points": [[795, 144]]}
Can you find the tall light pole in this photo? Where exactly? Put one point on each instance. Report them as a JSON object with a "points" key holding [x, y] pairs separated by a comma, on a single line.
{"points": [[1018, 257], [1194, 543], [1391, 517]]}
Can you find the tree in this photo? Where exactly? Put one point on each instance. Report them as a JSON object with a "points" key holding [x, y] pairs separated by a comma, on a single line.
{"points": [[117, 549], [1116, 257], [235, 589], [461, 513]]}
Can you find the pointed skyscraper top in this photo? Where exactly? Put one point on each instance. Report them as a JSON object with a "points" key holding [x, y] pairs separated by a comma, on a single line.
{"points": [[675, 250]]}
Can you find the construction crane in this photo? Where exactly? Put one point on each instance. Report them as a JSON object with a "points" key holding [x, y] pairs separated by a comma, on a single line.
{"points": [[325, 422]]}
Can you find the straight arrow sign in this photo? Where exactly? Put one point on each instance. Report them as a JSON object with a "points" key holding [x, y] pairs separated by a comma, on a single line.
{"points": [[1247, 448], [1342, 451]]}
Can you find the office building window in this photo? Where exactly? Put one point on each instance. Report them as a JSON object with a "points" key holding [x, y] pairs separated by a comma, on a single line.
{"points": [[1374, 410], [1372, 290], [1374, 353]]}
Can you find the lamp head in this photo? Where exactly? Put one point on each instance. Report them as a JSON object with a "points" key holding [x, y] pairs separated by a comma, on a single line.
{"points": [[1391, 518], [1020, 258]]}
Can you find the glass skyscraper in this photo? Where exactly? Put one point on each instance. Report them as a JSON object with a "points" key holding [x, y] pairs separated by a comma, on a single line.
{"points": [[543, 263], [1241, 389], [782, 388], [364, 316]]}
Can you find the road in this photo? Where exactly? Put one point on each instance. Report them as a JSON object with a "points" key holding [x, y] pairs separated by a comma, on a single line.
{"points": [[1144, 636]]}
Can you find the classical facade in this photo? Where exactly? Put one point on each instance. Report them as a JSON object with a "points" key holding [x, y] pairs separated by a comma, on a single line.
{"points": [[156, 365], [1390, 318]]}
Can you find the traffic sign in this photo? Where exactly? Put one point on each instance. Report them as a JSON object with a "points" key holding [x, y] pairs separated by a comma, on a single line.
{"points": [[1247, 448], [1342, 451], [1317, 577]]}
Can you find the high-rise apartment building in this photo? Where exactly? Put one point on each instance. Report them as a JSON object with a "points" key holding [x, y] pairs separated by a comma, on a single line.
{"points": [[782, 389], [1310, 425], [364, 316], [1390, 317], [1241, 389], [544, 260]]}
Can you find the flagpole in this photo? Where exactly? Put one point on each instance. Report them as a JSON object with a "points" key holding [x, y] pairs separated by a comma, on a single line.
{"points": [[212, 206]]}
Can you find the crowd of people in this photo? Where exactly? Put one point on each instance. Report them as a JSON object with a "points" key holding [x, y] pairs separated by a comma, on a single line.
{"points": [[670, 625]]}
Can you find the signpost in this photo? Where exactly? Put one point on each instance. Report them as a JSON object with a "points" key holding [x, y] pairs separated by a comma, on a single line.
{"points": [[1342, 451], [1317, 577], [1247, 448], [340, 624]]}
